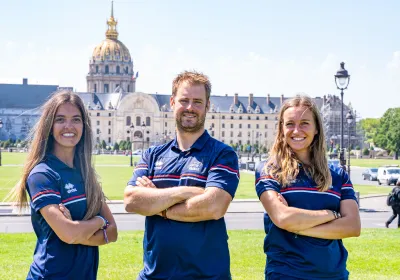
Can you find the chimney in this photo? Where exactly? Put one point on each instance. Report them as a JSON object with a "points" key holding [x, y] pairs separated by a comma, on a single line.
{"points": [[324, 99], [236, 99], [282, 99], [25, 81], [251, 99], [268, 99]]}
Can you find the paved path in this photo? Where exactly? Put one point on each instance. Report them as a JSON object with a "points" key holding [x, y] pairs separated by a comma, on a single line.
{"points": [[242, 214]]}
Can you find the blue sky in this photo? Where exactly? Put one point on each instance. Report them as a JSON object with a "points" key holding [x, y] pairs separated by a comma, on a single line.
{"points": [[260, 47]]}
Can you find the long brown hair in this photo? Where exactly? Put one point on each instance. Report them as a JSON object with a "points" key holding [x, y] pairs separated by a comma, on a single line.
{"points": [[41, 144], [283, 164]]}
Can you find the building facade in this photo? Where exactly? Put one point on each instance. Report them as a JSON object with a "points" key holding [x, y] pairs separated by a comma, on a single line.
{"points": [[118, 112]]}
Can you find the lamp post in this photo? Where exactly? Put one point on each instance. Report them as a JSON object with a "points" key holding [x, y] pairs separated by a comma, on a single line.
{"points": [[342, 80], [349, 118], [143, 128], [99, 142], [130, 131], [1, 126], [249, 146]]}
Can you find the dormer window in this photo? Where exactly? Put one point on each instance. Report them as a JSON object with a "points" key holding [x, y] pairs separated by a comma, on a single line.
{"points": [[258, 109], [240, 110]]}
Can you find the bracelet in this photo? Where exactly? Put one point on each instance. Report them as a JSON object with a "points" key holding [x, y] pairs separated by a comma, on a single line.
{"points": [[336, 214], [105, 222], [105, 235], [164, 213]]}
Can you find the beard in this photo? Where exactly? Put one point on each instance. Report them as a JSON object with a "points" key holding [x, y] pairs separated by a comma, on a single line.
{"points": [[192, 127]]}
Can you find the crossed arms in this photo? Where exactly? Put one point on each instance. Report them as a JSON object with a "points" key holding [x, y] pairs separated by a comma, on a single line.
{"points": [[314, 223], [183, 203]]}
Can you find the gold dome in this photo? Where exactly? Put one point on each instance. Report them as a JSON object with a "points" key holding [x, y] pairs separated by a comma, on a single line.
{"points": [[111, 50]]}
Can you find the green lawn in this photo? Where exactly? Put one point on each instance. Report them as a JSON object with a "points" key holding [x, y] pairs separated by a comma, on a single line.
{"points": [[369, 162], [374, 255], [115, 172]]}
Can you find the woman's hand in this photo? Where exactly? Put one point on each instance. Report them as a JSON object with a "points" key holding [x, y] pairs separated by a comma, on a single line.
{"points": [[65, 211], [282, 199]]}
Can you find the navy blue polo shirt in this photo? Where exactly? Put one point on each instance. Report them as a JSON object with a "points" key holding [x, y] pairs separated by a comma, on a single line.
{"points": [[183, 250], [302, 256], [53, 182]]}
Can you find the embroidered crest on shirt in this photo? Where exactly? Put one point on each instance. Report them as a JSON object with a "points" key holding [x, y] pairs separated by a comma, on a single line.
{"points": [[158, 165], [70, 188], [195, 165]]}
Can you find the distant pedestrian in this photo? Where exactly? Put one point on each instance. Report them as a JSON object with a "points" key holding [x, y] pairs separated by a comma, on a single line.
{"points": [[393, 200]]}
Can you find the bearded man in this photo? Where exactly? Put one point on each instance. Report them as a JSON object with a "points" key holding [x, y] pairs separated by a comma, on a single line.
{"points": [[184, 188]]}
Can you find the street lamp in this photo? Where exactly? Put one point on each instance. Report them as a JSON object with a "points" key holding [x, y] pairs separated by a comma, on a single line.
{"points": [[143, 128], [130, 132], [349, 118], [342, 80], [249, 146], [1, 126], [99, 143]]}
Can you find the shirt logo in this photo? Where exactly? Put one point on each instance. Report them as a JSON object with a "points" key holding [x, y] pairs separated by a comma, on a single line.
{"points": [[70, 188], [195, 165], [158, 165]]}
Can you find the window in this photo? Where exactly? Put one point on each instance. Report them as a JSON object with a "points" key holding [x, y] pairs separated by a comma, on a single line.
{"points": [[106, 88], [240, 125], [118, 71], [98, 114], [231, 117], [166, 124], [223, 125], [109, 132], [98, 139], [266, 118], [126, 70], [223, 117], [138, 121], [128, 120], [147, 139], [128, 139], [109, 122], [231, 142], [257, 126], [212, 117], [212, 125], [212, 133], [98, 122], [107, 69], [266, 134], [266, 126], [95, 87], [165, 116], [97, 69], [240, 117], [240, 134], [148, 121], [109, 114], [223, 133], [248, 117], [240, 142], [231, 125], [248, 142], [129, 88], [109, 139], [257, 118], [248, 125], [231, 133], [97, 131]]}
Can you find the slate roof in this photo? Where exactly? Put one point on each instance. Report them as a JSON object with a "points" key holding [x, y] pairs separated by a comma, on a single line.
{"points": [[24, 96]]}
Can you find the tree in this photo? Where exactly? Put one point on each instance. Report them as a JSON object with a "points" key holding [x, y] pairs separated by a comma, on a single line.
{"points": [[116, 147], [370, 127], [388, 133]]}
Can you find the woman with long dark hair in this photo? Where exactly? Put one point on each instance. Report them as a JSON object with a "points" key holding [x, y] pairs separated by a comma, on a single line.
{"points": [[68, 210], [309, 205]]}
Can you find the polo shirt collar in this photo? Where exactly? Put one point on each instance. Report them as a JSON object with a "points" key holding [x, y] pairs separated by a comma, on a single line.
{"points": [[198, 144], [58, 163]]}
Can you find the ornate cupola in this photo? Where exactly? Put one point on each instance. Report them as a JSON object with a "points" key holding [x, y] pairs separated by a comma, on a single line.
{"points": [[111, 65]]}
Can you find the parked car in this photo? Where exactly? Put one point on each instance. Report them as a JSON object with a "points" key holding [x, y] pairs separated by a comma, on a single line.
{"points": [[370, 174], [388, 174]]}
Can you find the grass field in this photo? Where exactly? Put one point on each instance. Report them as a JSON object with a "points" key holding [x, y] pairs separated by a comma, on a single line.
{"points": [[373, 256], [115, 172]]}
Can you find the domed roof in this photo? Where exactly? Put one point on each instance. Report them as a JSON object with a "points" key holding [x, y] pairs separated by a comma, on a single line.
{"points": [[111, 50]]}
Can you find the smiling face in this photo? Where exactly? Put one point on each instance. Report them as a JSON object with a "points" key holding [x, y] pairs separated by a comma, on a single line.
{"points": [[299, 130], [190, 107], [67, 127]]}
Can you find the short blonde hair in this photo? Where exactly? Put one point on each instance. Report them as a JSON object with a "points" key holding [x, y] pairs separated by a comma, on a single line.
{"points": [[192, 78]]}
